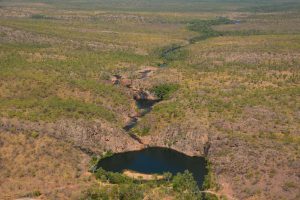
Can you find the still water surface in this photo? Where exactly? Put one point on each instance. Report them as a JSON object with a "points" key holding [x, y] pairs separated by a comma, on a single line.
{"points": [[156, 160]]}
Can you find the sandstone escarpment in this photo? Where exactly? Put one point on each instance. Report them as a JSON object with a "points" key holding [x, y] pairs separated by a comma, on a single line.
{"points": [[93, 137], [191, 140]]}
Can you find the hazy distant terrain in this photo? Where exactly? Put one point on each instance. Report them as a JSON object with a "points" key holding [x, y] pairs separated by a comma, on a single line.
{"points": [[224, 76], [169, 5]]}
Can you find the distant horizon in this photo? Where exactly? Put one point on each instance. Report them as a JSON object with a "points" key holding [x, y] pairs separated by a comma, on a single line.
{"points": [[168, 5]]}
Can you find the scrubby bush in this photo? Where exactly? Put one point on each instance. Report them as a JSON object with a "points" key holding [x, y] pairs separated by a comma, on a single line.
{"points": [[163, 91], [96, 194], [38, 16], [186, 187], [167, 176], [184, 181], [209, 180], [173, 52], [208, 196], [34, 194], [112, 177], [168, 111], [131, 192], [118, 192], [101, 193], [204, 28], [34, 134], [141, 131]]}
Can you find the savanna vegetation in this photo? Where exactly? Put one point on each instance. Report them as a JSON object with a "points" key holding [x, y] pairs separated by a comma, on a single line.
{"points": [[226, 76], [181, 186]]}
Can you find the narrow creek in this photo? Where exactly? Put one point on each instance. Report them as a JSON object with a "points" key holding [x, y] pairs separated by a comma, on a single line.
{"points": [[144, 106], [157, 160], [166, 52], [144, 100]]}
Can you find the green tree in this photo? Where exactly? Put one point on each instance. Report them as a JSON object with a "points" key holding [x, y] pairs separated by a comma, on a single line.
{"points": [[131, 192], [163, 91], [96, 194], [167, 176], [186, 186]]}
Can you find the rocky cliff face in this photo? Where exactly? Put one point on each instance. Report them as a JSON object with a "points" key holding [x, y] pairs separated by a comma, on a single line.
{"points": [[190, 140], [93, 137]]}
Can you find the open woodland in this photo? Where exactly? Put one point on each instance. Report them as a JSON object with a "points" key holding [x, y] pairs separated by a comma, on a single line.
{"points": [[226, 72]]}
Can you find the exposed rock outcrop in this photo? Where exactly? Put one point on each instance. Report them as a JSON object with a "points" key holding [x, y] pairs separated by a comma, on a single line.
{"points": [[189, 140], [92, 137], [142, 94]]}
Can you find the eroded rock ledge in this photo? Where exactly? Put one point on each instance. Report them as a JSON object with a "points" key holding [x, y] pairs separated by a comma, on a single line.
{"points": [[192, 141], [91, 137], [95, 137]]}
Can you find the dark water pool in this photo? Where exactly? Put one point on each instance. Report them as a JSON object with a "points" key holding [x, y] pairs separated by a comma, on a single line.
{"points": [[145, 105], [156, 160]]}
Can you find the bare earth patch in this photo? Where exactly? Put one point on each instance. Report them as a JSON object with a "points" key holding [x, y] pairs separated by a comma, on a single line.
{"points": [[141, 176]]}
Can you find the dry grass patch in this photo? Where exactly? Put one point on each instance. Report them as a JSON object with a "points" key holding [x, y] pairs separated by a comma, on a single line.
{"points": [[33, 164]]}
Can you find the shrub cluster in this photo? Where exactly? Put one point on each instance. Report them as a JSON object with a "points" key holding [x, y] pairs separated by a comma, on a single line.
{"points": [[182, 185], [163, 91]]}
